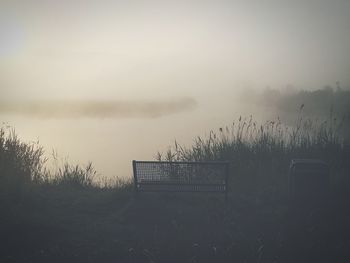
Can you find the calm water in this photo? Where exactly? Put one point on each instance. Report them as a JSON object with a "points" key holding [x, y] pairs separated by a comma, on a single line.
{"points": [[111, 144]]}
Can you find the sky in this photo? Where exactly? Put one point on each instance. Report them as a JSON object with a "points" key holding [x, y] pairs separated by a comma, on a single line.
{"points": [[163, 64]]}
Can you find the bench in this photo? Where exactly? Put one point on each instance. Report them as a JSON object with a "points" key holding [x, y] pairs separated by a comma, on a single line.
{"points": [[161, 176]]}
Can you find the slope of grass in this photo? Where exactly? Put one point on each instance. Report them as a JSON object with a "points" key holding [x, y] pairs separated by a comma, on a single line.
{"points": [[66, 216]]}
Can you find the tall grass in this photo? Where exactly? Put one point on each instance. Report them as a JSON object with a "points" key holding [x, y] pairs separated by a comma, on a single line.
{"points": [[74, 176], [23, 164], [20, 163], [260, 153]]}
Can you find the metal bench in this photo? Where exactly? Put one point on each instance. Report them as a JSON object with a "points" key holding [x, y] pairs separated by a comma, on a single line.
{"points": [[160, 176]]}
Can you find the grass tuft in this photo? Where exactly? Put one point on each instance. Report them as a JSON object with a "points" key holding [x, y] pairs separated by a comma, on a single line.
{"points": [[260, 153]]}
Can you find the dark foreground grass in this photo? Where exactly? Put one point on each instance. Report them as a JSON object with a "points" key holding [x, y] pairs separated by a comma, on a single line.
{"points": [[94, 225], [66, 216]]}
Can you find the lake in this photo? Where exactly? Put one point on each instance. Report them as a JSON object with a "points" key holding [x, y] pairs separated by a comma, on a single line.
{"points": [[112, 143]]}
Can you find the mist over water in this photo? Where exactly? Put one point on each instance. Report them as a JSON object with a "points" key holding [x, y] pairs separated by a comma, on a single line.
{"points": [[111, 143], [88, 86], [113, 81], [96, 109], [113, 133]]}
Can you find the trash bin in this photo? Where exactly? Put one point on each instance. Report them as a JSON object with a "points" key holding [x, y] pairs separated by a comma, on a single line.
{"points": [[308, 181]]}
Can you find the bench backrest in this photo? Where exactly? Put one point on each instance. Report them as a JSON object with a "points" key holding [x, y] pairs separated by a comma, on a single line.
{"points": [[180, 176]]}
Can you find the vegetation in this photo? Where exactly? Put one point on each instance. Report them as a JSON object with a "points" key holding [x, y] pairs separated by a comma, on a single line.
{"points": [[20, 163], [322, 104], [260, 154], [67, 215]]}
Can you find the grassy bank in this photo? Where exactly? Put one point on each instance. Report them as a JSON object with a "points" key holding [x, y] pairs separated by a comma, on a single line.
{"points": [[260, 154], [67, 215]]}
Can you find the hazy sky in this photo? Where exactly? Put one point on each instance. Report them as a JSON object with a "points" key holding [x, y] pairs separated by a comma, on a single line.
{"points": [[150, 49], [184, 58]]}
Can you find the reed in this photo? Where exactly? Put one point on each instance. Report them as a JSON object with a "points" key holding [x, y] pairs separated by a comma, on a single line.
{"points": [[23, 165], [20, 163], [260, 153]]}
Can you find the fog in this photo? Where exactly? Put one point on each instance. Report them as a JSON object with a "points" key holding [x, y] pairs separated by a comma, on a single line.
{"points": [[95, 109], [112, 81]]}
